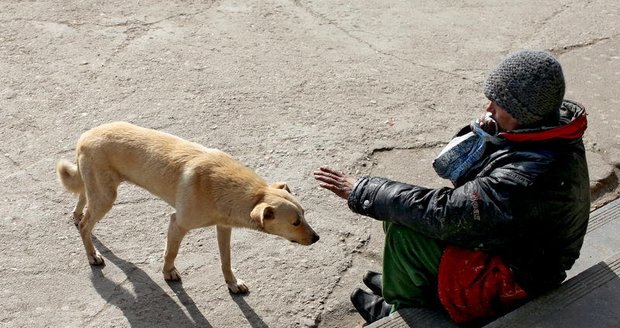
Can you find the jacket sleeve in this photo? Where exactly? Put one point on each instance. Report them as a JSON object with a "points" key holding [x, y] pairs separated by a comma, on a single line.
{"points": [[472, 215]]}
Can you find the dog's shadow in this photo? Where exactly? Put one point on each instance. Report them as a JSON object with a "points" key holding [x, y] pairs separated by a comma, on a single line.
{"points": [[148, 305], [253, 319]]}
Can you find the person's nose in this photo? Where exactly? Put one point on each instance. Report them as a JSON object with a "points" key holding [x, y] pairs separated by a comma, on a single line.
{"points": [[490, 108]]}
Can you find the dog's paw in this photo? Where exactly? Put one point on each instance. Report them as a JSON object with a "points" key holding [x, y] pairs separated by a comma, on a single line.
{"points": [[172, 275], [238, 287], [96, 259]]}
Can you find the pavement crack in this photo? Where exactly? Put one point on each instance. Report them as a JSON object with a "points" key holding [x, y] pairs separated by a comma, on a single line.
{"points": [[605, 185], [135, 29], [134, 201], [9, 158], [569, 48], [373, 47], [360, 243], [343, 268], [422, 145], [556, 13]]}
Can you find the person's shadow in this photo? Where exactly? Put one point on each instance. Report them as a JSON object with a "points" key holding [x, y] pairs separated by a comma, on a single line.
{"points": [[149, 305]]}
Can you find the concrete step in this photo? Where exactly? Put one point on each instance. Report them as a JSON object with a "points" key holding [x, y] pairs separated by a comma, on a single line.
{"points": [[590, 296], [602, 240], [590, 299], [415, 317]]}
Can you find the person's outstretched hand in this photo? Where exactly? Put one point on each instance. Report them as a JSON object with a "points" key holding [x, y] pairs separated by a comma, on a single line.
{"points": [[335, 181]]}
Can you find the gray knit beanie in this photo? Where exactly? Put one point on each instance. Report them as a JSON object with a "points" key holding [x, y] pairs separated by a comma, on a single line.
{"points": [[529, 85]]}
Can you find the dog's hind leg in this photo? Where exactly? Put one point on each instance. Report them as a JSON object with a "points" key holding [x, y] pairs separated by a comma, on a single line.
{"points": [[223, 242], [100, 192], [78, 210], [173, 242], [95, 212]]}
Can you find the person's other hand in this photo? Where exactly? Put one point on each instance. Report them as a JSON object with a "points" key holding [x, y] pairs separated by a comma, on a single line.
{"points": [[335, 181]]}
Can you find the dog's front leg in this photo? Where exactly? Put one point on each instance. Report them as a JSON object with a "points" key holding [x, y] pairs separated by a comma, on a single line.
{"points": [[173, 242], [223, 241]]}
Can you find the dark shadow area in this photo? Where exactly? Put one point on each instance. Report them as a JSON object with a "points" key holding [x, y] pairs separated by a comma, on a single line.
{"points": [[253, 319], [589, 299], [428, 317], [149, 305], [186, 300]]}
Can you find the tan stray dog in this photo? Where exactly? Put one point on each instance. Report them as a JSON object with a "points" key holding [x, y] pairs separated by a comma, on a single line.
{"points": [[205, 186]]}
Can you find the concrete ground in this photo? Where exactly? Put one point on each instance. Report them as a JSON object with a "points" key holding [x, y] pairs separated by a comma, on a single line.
{"points": [[372, 87]]}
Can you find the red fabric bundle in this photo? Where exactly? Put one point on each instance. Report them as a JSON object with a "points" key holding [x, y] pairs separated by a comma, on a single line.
{"points": [[475, 285]]}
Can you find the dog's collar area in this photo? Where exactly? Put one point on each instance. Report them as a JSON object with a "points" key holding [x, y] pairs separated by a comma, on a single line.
{"points": [[254, 225]]}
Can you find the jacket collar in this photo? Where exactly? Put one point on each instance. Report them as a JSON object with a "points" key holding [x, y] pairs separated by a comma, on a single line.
{"points": [[573, 124]]}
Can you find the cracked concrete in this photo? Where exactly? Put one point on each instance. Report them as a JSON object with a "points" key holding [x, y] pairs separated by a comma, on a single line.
{"points": [[368, 87]]}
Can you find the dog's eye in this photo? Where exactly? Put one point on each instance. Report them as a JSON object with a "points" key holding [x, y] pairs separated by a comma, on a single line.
{"points": [[296, 223]]}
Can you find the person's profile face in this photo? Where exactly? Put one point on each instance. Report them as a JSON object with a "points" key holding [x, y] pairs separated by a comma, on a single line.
{"points": [[504, 120]]}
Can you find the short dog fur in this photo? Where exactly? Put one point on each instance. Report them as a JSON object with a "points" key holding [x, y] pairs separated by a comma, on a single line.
{"points": [[205, 186]]}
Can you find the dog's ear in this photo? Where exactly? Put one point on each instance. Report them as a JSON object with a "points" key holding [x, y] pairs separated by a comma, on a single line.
{"points": [[262, 212], [281, 185]]}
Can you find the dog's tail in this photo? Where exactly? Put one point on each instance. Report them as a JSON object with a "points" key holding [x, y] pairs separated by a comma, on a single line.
{"points": [[69, 175]]}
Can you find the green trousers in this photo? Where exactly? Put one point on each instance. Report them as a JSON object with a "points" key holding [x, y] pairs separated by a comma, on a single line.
{"points": [[410, 268]]}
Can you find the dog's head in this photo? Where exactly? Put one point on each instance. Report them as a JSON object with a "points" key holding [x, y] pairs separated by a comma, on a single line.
{"points": [[279, 213]]}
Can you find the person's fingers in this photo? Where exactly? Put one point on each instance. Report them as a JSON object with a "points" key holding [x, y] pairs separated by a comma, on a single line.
{"points": [[325, 176], [335, 181], [331, 171], [331, 188], [327, 180], [318, 173], [325, 185], [329, 175]]}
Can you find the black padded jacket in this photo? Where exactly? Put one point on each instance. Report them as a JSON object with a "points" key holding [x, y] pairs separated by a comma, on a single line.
{"points": [[528, 201]]}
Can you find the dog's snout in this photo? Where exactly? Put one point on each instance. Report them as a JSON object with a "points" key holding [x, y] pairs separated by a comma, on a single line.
{"points": [[308, 240]]}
